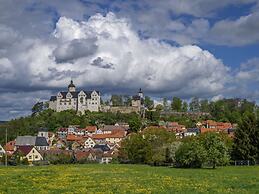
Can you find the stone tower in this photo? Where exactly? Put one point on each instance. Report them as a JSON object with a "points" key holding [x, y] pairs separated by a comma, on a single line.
{"points": [[71, 87]]}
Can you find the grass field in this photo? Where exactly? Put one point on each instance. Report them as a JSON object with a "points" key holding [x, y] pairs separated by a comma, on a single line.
{"points": [[94, 178]]}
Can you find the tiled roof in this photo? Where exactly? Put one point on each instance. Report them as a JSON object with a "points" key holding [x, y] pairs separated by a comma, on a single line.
{"points": [[9, 146], [79, 155], [91, 128], [71, 137], [113, 127], [53, 98], [24, 149], [41, 141], [103, 147]]}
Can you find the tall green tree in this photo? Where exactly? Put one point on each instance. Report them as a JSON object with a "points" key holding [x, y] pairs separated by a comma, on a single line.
{"points": [[216, 150], [149, 103], [117, 100], [195, 105], [204, 105], [185, 106], [246, 141], [176, 104]]}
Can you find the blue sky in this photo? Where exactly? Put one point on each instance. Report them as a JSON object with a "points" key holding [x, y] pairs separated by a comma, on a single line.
{"points": [[203, 48]]}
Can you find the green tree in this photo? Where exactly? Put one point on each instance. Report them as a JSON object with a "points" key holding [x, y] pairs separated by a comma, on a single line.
{"points": [[37, 108], [117, 100], [165, 103], [246, 141], [176, 104], [216, 150], [185, 106], [195, 105], [135, 124], [149, 103], [204, 105], [191, 154]]}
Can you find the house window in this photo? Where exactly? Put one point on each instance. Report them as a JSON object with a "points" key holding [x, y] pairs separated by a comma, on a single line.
{"points": [[29, 157], [36, 156], [32, 151]]}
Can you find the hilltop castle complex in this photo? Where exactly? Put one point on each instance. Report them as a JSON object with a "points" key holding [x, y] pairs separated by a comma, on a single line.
{"points": [[79, 101], [82, 101]]}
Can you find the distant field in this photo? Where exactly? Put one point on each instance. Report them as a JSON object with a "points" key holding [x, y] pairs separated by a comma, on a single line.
{"points": [[95, 178]]}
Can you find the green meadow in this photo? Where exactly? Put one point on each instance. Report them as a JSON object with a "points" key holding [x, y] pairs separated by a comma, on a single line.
{"points": [[116, 178]]}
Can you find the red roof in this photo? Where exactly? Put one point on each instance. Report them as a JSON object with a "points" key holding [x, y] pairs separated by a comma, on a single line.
{"points": [[114, 134], [62, 129], [9, 146], [79, 155], [24, 149], [203, 130], [71, 137], [91, 128]]}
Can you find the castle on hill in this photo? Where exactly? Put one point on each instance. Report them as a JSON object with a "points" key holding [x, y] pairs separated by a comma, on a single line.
{"points": [[79, 101], [82, 101]]}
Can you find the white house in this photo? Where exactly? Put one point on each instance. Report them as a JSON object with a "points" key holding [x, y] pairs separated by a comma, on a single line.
{"points": [[89, 143], [29, 152], [2, 151], [43, 132]]}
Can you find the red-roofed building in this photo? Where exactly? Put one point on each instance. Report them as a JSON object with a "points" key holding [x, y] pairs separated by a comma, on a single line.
{"points": [[29, 152], [71, 137], [88, 155], [10, 147]]}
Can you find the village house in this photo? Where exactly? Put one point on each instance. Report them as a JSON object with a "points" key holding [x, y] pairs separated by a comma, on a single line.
{"points": [[106, 158], [90, 130], [103, 147], [10, 147], [85, 155], [109, 129], [213, 126], [43, 132], [2, 151], [62, 132], [89, 143], [29, 152], [191, 132]]}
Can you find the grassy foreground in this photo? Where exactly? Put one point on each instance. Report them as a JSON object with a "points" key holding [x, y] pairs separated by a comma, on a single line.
{"points": [[95, 178]]}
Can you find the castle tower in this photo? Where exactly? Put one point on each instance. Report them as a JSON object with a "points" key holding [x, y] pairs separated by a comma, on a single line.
{"points": [[140, 93], [71, 87]]}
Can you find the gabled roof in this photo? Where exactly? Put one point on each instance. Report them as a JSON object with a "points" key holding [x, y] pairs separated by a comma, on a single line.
{"points": [[25, 140], [91, 128], [41, 141], [113, 127], [42, 129], [53, 98], [71, 137], [136, 97], [83, 154], [103, 147], [75, 94], [25, 149]]}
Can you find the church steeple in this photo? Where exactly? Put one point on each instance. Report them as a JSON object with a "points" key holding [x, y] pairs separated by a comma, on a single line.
{"points": [[71, 87]]}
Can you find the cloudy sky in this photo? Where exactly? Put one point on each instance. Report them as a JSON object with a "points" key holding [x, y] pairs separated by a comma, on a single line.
{"points": [[204, 48]]}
